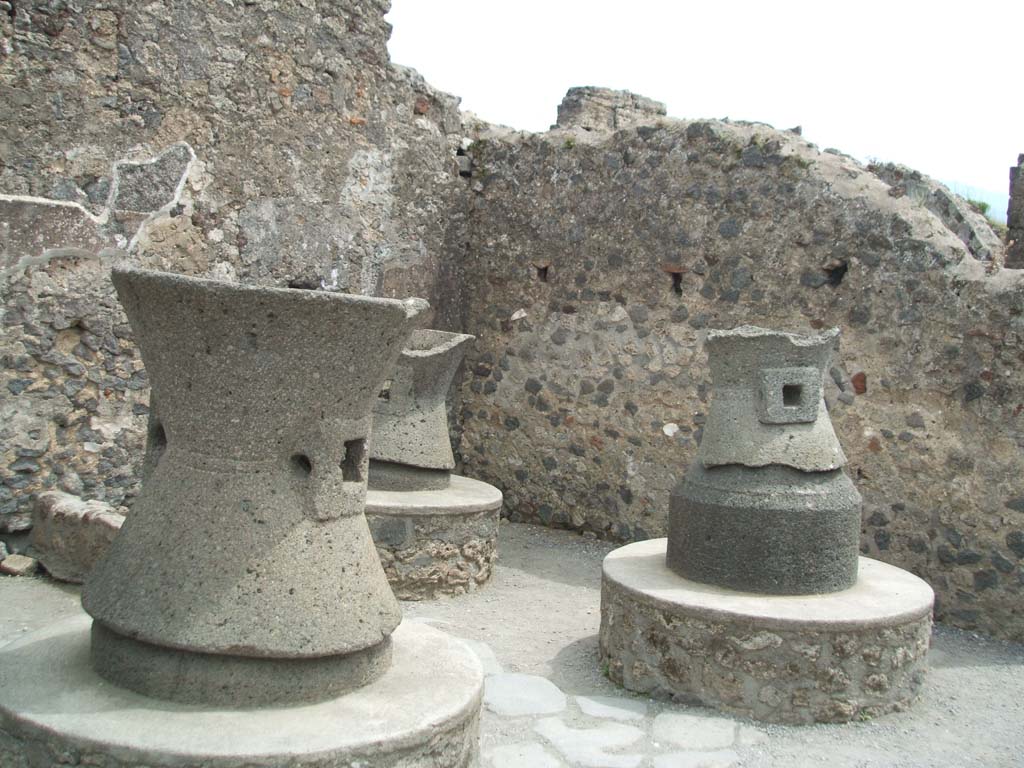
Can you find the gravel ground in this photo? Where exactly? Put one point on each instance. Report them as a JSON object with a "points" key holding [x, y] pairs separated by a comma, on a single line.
{"points": [[540, 615]]}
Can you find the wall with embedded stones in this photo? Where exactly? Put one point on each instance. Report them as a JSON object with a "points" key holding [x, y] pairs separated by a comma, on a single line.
{"points": [[597, 260], [266, 142], [1015, 216], [272, 142]]}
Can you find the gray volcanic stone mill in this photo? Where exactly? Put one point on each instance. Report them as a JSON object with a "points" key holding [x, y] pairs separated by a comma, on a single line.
{"points": [[766, 506], [244, 588], [436, 533], [757, 602], [256, 468], [410, 449]]}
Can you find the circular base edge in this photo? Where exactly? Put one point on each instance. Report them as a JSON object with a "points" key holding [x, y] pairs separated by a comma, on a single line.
{"points": [[423, 712], [436, 544], [672, 643]]}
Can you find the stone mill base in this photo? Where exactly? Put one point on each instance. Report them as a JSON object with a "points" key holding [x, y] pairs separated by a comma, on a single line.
{"points": [[54, 710], [434, 543], [848, 655]]}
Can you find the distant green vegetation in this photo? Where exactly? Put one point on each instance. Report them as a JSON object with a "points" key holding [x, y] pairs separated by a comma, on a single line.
{"points": [[979, 205], [983, 208]]}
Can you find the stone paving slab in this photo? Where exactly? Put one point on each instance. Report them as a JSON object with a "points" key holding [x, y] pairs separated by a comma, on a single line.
{"points": [[614, 707], [513, 695]]}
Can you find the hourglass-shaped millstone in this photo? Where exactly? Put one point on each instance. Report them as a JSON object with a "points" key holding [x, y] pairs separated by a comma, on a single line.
{"points": [[410, 449], [245, 572], [766, 507]]}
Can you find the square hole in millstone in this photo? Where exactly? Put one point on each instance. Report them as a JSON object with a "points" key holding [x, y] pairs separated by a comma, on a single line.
{"points": [[789, 395]]}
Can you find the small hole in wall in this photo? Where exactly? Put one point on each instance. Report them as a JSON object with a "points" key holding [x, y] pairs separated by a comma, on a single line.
{"points": [[159, 437], [352, 464], [301, 465], [791, 394], [677, 283], [542, 273], [464, 162], [305, 283], [836, 273], [385, 391], [156, 439]]}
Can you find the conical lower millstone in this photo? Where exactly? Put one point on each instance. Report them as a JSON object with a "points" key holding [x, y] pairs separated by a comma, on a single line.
{"points": [[245, 573]]}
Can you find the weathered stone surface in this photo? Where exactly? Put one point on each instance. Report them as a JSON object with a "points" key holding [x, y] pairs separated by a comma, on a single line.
{"points": [[650, 236], [646, 236], [146, 186], [410, 448], [770, 529], [766, 506], [189, 136], [602, 109], [258, 446], [956, 213], [525, 753], [767, 406], [592, 747], [699, 732], [513, 694], [69, 536], [55, 710], [434, 543], [1015, 217], [612, 707], [719, 758], [19, 565], [819, 658]]}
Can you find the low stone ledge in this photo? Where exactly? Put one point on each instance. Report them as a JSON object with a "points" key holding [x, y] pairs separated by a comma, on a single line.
{"points": [[847, 655], [70, 535]]}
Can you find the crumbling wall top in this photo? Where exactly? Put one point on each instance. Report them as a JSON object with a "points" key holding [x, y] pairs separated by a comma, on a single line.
{"points": [[602, 109]]}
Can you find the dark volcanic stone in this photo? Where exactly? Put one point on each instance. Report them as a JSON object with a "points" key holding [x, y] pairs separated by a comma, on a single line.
{"points": [[1015, 541], [727, 526], [729, 228]]}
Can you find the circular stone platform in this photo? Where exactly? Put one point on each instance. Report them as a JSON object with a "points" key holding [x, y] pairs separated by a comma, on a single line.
{"points": [[433, 543], [811, 658], [55, 710]]}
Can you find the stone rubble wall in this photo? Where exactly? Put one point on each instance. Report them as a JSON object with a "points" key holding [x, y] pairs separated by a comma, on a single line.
{"points": [[597, 260], [1015, 216], [266, 142], [427, 556], [273, 143], [956, 213]]}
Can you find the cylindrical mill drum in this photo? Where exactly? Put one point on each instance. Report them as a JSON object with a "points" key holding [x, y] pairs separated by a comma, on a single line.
{"points": [[769, 529]]}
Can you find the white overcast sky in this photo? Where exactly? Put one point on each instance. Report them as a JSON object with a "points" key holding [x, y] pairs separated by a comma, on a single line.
{"points": [[938, 86]]}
